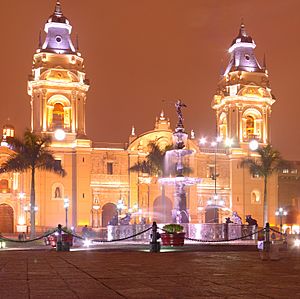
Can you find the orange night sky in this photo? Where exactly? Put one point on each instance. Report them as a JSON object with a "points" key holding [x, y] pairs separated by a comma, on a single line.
{"points": [[141, 52]]}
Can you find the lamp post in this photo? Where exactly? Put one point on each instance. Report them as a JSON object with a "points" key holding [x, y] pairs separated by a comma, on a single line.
{"points": [[215, 202], [26, 210], [22, 220], [281, 213], [66, 206]]}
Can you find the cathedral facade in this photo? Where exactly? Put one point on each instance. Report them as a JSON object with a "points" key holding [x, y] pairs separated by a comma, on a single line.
{"points": [[99, 183]]}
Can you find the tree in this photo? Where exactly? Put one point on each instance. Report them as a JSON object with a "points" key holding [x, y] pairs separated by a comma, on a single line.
{"points": [[31, 153], [154, 162], [268, 162]]}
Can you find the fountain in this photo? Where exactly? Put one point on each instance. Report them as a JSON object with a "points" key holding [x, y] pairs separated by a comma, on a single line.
{"points": [[180, 212]]}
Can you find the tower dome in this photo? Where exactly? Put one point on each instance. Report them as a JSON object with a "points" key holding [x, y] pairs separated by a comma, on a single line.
{"points": [[242, 54]]}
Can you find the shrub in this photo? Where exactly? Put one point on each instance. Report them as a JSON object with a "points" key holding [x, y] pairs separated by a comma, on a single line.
{"points": [[173, 228]]}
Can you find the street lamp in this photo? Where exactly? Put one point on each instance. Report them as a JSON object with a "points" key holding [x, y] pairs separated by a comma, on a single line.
{"points": [[66, 206], [26, 210], [215, 202], [281, 213]]}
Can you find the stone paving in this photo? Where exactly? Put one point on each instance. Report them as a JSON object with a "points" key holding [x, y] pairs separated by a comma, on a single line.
{"points": [[140, 274]]}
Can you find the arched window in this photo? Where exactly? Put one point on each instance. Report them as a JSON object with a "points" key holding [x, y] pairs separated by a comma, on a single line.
{"points": [[58, 116], [223, 126], [250, 125], [4, 186]]}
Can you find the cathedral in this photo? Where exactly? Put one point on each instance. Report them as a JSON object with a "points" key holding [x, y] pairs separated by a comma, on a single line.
{"points": [[99, 182]]}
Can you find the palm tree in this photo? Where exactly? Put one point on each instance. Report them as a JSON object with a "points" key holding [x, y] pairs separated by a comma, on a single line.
{"points": [[154, 162], [31, 153], [268, 162]]}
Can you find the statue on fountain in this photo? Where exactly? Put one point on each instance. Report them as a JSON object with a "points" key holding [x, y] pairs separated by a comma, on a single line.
{"points": [[180, 213], [178, 105]]}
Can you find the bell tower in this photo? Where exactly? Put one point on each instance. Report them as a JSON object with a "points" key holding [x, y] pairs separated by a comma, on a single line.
{"points": [[243, 99], [58, 84]]}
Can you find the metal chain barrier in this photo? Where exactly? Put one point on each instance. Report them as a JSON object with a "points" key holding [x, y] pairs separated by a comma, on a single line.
{"points": [[218, 241], [72, 234], [29, 240], [130, 237], [277, 232], [107, 241]]}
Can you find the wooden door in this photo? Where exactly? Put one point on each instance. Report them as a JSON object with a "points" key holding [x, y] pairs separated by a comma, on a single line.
{"points": [[6, 219], [109, 210]]}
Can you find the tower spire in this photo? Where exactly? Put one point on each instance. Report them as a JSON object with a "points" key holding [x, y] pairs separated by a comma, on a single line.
{"points": [[58, 11], [242, 29]]}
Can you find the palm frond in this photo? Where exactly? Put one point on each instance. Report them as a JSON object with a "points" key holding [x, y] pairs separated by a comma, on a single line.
{"points": [[154, 162], [47, 162], [31, 152], [269, 161], [143, 166], [16, 163]]}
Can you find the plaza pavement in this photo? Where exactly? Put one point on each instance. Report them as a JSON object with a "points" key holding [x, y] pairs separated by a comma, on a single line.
{"points": [[134, 272]]}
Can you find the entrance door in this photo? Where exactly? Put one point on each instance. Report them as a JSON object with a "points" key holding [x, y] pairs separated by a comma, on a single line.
{"points": [[6, 219], [212, 215], [109, 210]]}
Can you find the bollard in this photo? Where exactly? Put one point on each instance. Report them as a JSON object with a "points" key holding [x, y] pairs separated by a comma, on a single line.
{"points": [[66, 246], [267, 237], [154, 244], [59, 246], [265, 253]]}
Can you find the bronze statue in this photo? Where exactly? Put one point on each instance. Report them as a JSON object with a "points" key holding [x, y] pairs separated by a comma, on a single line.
{"points": [[178, 105]]}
